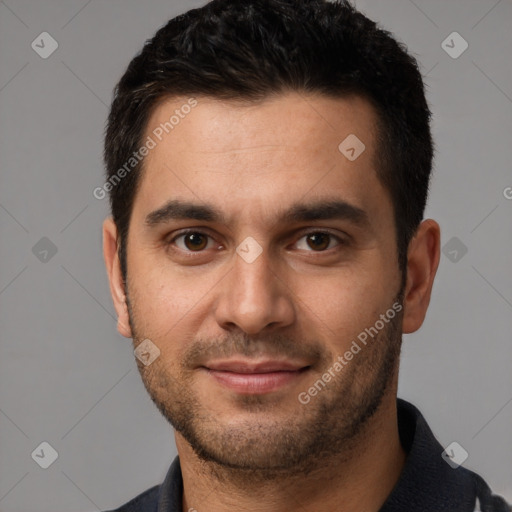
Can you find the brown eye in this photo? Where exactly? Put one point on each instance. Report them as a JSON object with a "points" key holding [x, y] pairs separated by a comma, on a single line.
{"points": [[192, 241], [195, 241], [318, 241]]}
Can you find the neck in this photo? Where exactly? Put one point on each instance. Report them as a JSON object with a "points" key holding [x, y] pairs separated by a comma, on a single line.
{"points": [[361, 478]]}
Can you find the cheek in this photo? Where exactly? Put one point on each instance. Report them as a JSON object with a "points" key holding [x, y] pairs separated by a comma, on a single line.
{"points": [[164, 301], [342, 306]]}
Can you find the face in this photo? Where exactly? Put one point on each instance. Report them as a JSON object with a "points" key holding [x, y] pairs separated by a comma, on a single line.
{"points": [[258, 257]]}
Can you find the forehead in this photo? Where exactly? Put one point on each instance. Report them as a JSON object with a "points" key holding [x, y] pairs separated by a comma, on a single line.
{"points": [[252, 157], [290, 121]]}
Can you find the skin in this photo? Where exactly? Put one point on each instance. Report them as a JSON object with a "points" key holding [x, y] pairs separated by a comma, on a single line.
{"points": [[297, 300]]}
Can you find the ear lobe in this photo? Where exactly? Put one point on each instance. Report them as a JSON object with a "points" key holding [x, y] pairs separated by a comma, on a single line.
{"points": [[422, 263], [113, 265]]}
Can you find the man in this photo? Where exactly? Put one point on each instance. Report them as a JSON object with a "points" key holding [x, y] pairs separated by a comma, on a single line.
{"points": [[268, 163]]}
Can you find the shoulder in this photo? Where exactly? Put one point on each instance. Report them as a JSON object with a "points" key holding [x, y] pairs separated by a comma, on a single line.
{"points": [[144, 502], [486, 500], [166, 496], [431, 482]]}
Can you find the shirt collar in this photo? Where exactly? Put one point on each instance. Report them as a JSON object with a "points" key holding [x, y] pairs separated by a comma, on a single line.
{"points": [[427, 482]]}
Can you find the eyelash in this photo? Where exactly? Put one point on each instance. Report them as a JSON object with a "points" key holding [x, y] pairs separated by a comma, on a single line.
{"points": [[183, 233]]}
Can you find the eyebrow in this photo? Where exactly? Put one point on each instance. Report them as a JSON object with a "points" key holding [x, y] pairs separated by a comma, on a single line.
{"points": [[176, 209]]}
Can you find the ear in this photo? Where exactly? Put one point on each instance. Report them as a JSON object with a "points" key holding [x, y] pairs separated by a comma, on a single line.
{"points": [[422, 262], [117, 289]]}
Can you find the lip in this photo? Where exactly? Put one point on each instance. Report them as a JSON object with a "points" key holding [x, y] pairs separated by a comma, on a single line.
{"points": [[265, 366], [250, 378]]}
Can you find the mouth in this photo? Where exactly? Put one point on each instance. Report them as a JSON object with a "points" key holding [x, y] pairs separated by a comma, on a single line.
{"points": [[247, 377]]}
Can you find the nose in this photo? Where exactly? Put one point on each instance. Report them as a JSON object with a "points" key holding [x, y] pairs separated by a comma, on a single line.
{"points": [[254, 297]]}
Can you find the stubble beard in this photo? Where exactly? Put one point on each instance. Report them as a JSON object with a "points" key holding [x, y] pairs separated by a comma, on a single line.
{"points": [[329, 427]]}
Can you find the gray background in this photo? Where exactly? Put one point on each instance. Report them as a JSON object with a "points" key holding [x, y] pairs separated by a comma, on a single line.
{"points": [[68, 378]]}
